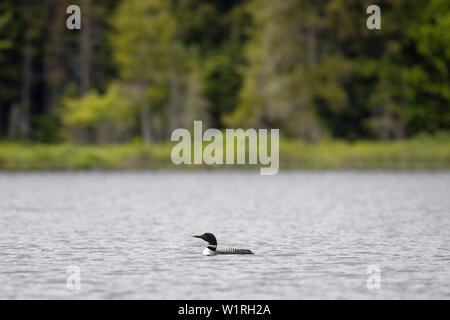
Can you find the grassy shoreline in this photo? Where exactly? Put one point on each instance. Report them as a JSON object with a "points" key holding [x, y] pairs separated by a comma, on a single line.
{"points": [[413, 154]]}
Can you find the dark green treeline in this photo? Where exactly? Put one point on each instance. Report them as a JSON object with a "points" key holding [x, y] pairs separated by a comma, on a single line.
{"points": [[139, 69]]}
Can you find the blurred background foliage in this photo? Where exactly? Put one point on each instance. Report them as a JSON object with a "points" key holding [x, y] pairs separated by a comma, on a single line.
{"points": [[139, 69]]}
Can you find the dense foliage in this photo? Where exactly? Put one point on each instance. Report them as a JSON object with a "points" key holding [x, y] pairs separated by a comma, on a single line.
{"points": [[139, 69]]}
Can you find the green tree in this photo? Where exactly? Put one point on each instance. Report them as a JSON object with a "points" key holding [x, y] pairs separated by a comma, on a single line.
{"points": [[96, 118], [277, 88], [160, 73], [429, 76], [219, 30]]}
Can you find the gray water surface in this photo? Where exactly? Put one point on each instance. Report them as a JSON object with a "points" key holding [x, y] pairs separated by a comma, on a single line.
{"points": [[314, 235]]}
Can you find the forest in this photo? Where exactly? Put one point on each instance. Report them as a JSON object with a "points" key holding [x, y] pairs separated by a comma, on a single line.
{"points": [[138, 69]]}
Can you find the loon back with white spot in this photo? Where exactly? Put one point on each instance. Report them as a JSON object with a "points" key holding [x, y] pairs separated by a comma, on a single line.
{"points": [[212, 250]]}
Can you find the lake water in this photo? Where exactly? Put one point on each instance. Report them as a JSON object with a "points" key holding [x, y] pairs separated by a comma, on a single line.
{"points": [[314, 234]]}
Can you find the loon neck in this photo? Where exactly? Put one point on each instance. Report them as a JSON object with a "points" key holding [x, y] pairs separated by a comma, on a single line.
{"points": [[212, 247]]}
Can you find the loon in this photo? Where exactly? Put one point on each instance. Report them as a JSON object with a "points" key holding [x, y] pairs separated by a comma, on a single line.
{"points": [[212, 250]]}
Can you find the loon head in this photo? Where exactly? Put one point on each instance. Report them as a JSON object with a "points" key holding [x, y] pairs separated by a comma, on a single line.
{"points": [[210, 250], [208, 237]]}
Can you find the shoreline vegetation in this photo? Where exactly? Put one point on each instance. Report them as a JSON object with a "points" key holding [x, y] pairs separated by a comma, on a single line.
{"points": [[419, 153]]}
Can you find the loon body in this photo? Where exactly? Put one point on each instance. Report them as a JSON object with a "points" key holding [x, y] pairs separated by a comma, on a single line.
{"points": [[212, 250]]}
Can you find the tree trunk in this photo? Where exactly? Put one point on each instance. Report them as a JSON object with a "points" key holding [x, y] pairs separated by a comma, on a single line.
{"points": [[145, 125], [14, 122], [399, 129], [25, 94], [173, 112], [312, 47], [86, 47], [54, 57]]}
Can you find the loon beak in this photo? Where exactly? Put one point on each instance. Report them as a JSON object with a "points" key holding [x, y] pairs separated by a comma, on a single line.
{"points": [[198, 237]]}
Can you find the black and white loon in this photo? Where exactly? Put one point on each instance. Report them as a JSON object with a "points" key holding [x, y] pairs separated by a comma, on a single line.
{"points": [[211, 249]]}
